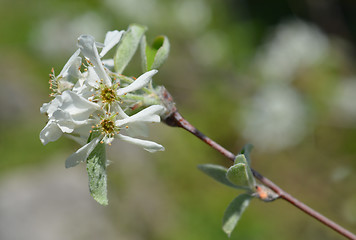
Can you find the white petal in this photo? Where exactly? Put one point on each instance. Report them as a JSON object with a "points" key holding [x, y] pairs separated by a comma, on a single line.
{"points": [[63, 84], [118, 109], [140, 82], [71, 60], [52, 106], [147, 145], [78, 107], [83, 89], [111, 39], [50, 133], [81, 134], [136, 129], [150, 114], [66, 123], [109, 63], [92, 79], [82, 153], [45, 107], [73, 73], [99, 45], [86, 44]]}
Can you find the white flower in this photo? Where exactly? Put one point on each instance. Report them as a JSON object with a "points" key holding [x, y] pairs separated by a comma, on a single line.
{"points": [[96, 70], [69, 75], [275, 119], [90, 102], [71, 109], [106, 91], [87, 46], [109, 127], [65, 113], [294, 45]]}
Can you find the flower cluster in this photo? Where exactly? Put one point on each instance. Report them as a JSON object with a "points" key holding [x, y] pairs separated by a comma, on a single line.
{"points": [[94, 105]]}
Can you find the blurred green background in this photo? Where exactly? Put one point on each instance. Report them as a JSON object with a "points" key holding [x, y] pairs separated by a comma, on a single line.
{"points": [[277, 74]]}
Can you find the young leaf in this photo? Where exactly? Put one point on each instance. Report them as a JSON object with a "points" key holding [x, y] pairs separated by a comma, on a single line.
{"points": [[234, 211], [246, 150], [217, 172], [162, 45], [237, 175], [128, 46], [241, 159], [240, 173], [154, 56], [96, 168]]}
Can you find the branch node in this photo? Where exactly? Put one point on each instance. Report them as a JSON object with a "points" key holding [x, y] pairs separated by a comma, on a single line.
{"points": [[168, 102], [265, 194]]}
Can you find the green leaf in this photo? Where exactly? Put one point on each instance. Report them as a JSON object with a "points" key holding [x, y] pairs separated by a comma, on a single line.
{"points": [[242, 159], [154, 56], [237, 175], [246, 150], [96, 168], [162, 45], [128, 46], [217, 172], [240, 173], [234, 211]]}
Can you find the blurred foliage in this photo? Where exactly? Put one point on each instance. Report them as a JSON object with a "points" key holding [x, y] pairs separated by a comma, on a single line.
{"points": [[213, 72]]}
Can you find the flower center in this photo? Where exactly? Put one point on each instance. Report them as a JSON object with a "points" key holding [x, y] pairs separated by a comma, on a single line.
{"points": [[108, 127], [108, 95]]}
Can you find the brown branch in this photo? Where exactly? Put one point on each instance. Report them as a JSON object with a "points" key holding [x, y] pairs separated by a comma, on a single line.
{"points": [[176, 120]]}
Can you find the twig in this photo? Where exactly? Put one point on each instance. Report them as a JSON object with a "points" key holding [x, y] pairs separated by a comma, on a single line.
{"points": [[176, 120]]}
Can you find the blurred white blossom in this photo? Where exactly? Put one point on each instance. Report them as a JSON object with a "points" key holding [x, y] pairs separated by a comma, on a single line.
{"points": [[210, 48], [292, 46], [275, 119], [53, 36], [343, 103], [144, 11], [340, 173], [192, 15]]}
